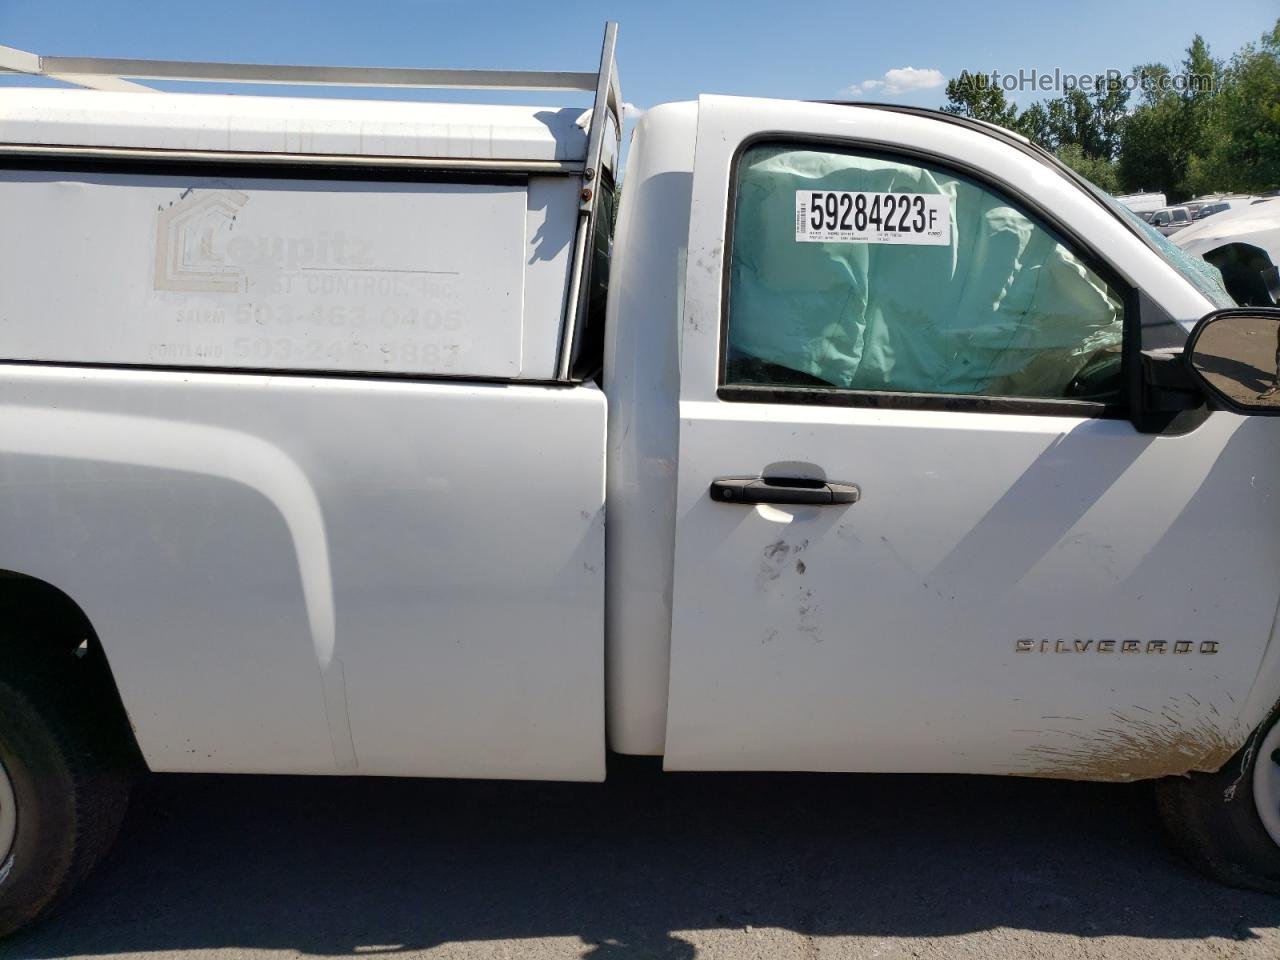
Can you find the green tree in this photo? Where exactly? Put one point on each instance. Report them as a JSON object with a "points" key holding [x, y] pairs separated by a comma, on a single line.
{"points": [[1155, 82], [1110, 113], [1200, 104], [1151, 145], [1152, 155], [1209, 128], [1091, 121], [1239, 147], [1100, 171], [974, 95], [1171, 126], [1071, 121], [1033, 123]]}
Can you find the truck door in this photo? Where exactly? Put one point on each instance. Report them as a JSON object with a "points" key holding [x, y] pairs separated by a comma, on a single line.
{"points": [[917, 529]]}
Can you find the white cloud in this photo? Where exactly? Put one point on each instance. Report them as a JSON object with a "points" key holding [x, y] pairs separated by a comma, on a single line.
{"points": [[899, 80]]}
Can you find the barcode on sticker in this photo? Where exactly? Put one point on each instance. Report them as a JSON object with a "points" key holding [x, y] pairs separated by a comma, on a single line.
{"points": [[859, 216]]}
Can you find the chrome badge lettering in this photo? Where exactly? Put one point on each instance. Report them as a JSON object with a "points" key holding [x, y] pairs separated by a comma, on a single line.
{"points": [[1122, 647]]}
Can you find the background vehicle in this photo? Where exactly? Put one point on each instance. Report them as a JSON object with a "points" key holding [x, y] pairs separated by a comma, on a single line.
{"points": [[1170, 219], [1143, 203], [1208, 206], [1244, 244], [312, 414]]}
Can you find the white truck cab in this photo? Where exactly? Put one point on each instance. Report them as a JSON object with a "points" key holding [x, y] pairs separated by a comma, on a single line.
{"points": [[314, 415]]}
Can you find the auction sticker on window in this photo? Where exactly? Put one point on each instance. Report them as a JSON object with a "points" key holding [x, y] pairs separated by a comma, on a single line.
{"points": [[858, 216]]}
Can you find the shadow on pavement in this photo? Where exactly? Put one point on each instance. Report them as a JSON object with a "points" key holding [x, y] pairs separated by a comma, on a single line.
{"points": [[371, 866]]}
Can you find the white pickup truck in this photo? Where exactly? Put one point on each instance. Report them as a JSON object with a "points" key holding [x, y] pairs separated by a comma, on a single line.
{"points": [[314, 414]]}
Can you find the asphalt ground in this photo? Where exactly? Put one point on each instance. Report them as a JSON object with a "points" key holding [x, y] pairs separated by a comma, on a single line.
{"points": [[648, 865]]}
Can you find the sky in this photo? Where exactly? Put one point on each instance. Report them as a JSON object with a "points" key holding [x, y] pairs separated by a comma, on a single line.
{"points": [[895, 51]]}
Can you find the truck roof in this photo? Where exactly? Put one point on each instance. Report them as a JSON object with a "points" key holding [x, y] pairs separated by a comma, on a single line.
{"points": [[291, 125]]}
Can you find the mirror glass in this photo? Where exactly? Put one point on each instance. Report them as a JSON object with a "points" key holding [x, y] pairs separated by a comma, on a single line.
{"points": [[1238, 357]]}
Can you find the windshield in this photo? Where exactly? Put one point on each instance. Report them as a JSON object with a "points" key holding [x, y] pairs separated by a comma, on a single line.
{"points": [[1203, 275]]}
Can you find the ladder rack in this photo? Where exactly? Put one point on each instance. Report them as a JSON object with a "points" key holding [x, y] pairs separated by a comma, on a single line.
{"points": [[114, 74]]}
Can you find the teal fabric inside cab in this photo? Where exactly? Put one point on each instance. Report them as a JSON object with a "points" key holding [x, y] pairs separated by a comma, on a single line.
{"points": [[1004, 310]]}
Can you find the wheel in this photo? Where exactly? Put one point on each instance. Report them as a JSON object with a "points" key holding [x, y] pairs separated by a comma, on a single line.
{"points": [[1228, 823], [63, 792]]}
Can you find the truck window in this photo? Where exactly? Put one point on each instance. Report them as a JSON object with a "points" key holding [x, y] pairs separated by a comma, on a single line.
{"points": [[589, 359], [864, 272]]}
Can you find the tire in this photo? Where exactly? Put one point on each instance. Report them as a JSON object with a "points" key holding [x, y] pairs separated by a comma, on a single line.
{"points": [[1228, 823], [65, 782]]}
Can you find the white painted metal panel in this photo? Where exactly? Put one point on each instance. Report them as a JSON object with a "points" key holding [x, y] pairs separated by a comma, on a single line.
{"points": [[550, 224], [290, 125], [883, 635], [424, 278], [642, 380], [324, 575]]}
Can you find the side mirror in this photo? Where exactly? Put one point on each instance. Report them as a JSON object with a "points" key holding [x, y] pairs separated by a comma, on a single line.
{"points": [[1234, 356]]}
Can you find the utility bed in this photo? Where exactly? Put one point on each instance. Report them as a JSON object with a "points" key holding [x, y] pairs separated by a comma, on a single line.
{"points": [[300, 234]]}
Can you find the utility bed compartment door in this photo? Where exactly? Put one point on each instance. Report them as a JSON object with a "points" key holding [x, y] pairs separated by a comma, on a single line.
{"points": [[460, 279]]}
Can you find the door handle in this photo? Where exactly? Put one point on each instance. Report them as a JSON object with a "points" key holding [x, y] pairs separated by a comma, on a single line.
{"points": [[782, 490]]}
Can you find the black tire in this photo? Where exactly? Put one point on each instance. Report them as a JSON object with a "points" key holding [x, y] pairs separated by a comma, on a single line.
{"points": [[1214, 820], [61, 751]]}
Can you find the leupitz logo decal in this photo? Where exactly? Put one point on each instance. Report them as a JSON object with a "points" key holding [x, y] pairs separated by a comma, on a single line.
{"points": [[1156, 647], [199, 248], [190, 255]]}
